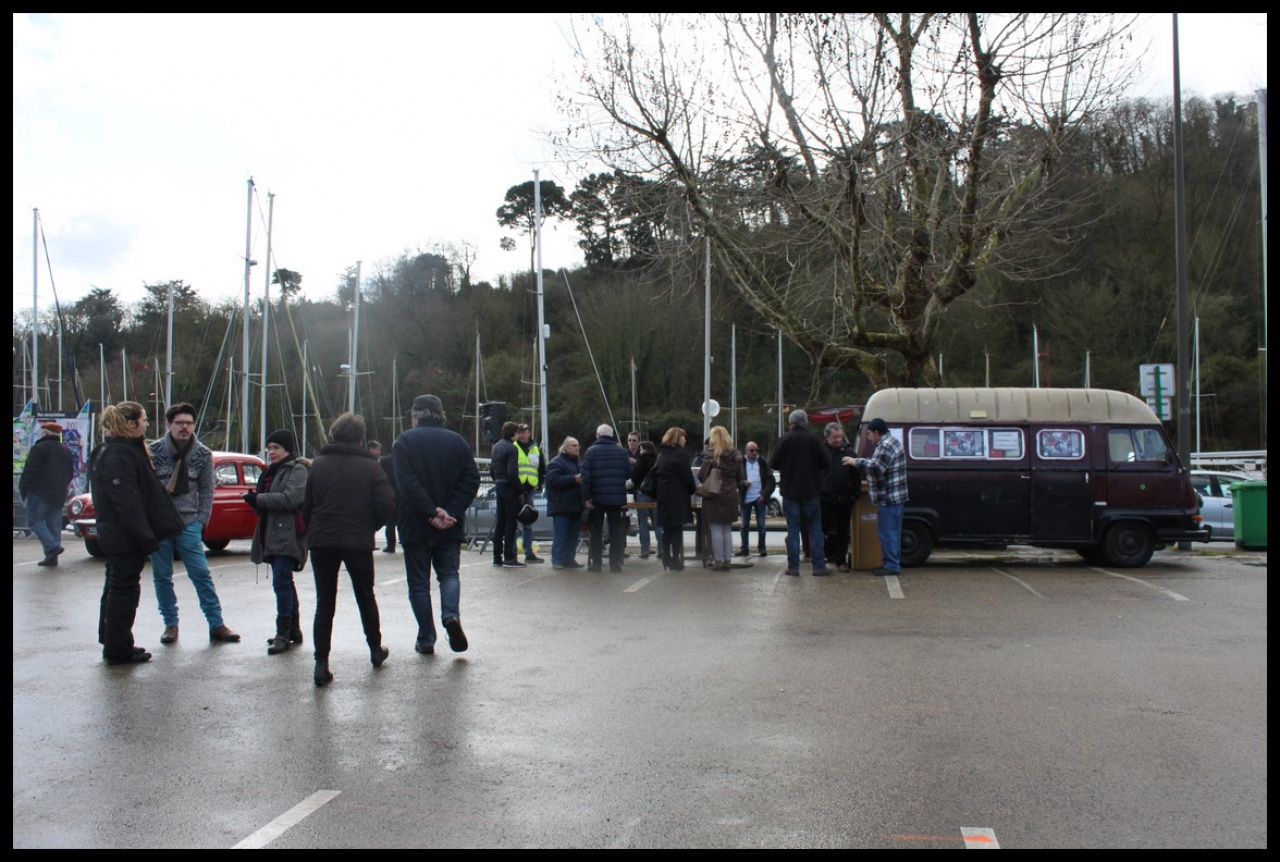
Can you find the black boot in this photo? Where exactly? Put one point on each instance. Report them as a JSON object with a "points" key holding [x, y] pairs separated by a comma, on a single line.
{"points": [[295, 630], [323, 675], [280, 643], [378, 654]]}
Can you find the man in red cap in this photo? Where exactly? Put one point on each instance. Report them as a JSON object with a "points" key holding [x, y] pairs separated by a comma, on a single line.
{"points": [[43, 488]]}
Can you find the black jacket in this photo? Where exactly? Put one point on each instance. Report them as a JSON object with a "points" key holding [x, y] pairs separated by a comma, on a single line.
{"points": [[801, 457], [134, 511], [48, 471], [434, 469], [841, 484], [674, 472], [348, 498]]}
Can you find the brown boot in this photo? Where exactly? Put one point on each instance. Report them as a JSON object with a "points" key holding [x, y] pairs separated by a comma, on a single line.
{"points": [[222, 634]]}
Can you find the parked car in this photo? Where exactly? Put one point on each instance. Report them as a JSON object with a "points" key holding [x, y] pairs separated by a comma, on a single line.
{"points": [[1216, 509], [484, 511], [234, 474]]}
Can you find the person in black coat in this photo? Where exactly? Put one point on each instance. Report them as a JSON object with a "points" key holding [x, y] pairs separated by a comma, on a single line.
{"points": [[388, 470], [646, 456], [348, 498], [840, 487], [673, 486], [43, 489], [564, 504], [134, 513], [437, 479], [606, 467]]}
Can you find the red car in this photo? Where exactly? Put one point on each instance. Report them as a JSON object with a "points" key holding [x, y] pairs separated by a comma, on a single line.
{"points": [[234, 474]]}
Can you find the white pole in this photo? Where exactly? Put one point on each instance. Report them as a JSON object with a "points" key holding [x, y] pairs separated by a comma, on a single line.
{"points": [[542, 326], [1262, 173], [124, 371], [306, 391], [1088, 372], [355, 344], [35, 305], [706, 351], [779, 382], [102, 378], [1035, 355], [168, 353], [266, 329], [733, 383], [1196, 349], [248, 262]]}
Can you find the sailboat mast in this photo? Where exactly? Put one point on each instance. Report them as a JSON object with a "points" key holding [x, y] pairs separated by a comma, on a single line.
{"points": [[266, 319], [355, 343], [35, 305], [244, 393]]}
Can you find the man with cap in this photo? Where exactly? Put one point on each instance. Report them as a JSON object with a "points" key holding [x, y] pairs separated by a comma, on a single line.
{"points": [[533, 471], [184, 466], [437, 480], [801, 459], [43, 489], [886, 472]]}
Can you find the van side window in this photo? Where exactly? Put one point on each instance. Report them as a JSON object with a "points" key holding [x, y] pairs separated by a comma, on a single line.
{"points": [[1128, 445], [1057, 444], [925, 443], [966, 443]]}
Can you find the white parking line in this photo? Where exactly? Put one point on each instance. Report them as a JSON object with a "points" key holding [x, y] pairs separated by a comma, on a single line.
{"points": [[1177, 597], [640, 583], [894, 586], [979, 839], [1019, 581], [287, 821]]}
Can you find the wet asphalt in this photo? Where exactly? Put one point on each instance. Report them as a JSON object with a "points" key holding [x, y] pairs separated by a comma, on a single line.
{"points": [[988, 699]]}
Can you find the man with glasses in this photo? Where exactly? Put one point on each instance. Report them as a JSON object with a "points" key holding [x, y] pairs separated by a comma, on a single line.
{"points": [[760, 485], [184, 466]]}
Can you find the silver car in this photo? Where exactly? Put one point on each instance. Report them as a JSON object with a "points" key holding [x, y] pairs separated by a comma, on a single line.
{"points": [[484, 511], [1216, 505]]}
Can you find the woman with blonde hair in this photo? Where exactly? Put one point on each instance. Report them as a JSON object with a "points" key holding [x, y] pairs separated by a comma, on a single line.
{"points": [[135, 513], [673, 485], [721, 511]]}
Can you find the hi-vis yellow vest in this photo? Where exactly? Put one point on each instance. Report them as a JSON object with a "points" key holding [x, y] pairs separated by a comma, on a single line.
{"points": [[528, 464]]}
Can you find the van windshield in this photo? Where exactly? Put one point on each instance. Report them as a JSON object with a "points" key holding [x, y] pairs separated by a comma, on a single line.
{"points": [[1129, 445]]}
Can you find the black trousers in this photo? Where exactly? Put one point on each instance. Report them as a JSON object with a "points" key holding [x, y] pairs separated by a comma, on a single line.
{"points": [[836, 515], [617, 536], [324, 565], [119, 604], [671, 548], [504, 525]]}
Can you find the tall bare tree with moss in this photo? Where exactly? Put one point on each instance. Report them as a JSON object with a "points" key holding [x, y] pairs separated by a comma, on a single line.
{"points": [[856, 173]]}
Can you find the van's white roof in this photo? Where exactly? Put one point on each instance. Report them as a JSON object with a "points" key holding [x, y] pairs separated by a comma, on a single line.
{"points": [[1007, 405]]}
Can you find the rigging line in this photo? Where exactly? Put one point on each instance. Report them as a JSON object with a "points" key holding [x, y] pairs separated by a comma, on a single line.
{"points": [[594, 367], [62, 326], [215, 380]]}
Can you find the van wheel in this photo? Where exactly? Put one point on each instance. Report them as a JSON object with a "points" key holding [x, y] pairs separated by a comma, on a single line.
{"points": [[917, 543], [92, 546], [220, 545], [1129, 544]]}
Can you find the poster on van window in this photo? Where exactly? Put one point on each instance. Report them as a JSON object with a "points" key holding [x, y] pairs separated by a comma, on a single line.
{"points": [[77, 433]]}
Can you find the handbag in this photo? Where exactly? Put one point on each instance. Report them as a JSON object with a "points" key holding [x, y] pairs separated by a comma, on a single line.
{"points": [[649, 487], [712, 486]]}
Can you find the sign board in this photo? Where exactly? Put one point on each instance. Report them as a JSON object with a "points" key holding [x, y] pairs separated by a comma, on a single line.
{"points": [[1164, 409], [1156, 376]]}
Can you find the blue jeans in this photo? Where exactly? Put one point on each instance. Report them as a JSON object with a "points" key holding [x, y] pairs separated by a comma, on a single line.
{"points": [[889, 531], [644, 517], [806, 514], [45, 520], [761, 507], [564, 539], [418, 561], [282, 581], [191, 548]]}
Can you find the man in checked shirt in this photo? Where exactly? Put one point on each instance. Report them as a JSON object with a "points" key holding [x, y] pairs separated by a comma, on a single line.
{"points": [[886, 472]]}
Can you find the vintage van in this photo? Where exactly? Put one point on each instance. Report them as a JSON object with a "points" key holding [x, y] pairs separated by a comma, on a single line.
{"points": [[1088, 469]]}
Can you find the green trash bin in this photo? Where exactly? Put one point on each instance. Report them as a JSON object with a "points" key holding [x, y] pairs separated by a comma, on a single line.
{"points": [[1249, 509]]}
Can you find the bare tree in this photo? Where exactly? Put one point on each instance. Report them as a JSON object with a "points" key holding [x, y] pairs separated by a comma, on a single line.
{"points": [[857, 173]]}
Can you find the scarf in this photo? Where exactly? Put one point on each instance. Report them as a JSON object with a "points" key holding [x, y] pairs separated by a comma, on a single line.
{"points": [[179, 483]]}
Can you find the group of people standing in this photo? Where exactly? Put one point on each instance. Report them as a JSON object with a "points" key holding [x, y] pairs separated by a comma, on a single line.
{"points": [[154, 501]]}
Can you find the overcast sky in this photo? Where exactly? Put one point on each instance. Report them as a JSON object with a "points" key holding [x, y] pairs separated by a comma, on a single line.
{"points": [[135, 136]]}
